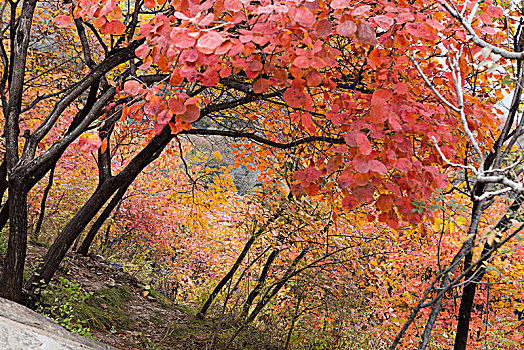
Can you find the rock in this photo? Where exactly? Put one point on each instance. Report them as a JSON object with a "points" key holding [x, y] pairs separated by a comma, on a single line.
{"points": [[22, 328]]}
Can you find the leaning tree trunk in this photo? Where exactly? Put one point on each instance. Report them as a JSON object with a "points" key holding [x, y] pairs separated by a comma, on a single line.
{"points": [[88, 240], [104, 191]]}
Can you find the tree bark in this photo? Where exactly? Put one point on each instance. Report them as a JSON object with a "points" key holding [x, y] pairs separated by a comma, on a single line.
{"points": [[43, 203], [262, 279], [12, 272], [13, 269], [469, 290], [103, 192], [227, 277], [88, 240]]}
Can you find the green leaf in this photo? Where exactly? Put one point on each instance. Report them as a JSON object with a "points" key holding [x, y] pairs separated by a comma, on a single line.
{"points": [[507, 80]]}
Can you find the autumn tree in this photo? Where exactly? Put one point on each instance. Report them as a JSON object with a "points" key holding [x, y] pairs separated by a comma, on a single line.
{"points": [[347, 102]]}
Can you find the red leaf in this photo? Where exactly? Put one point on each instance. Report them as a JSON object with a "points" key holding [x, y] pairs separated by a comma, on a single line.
{"points": [[302, 62], [99, 22], [260, 86], [324, 27], [209, 42], [364, 146], [384, 203], [116, 27], [233, 5], [361, 10], [182, 40], [400, 88], [349, 202], [210, 78], [90, 142], [360, 165], [384, 22], [176, 106], [132, 87], [154, 105], [255, 66], [347, 28], [422, 30], [303, 16], [191, 115], [340, 4], [103, 148], [62, 21], [142, 50], [294, 98], [149, 3], [311, 174], [364, 194], [313, 78], [307, 121], [366, 34], [377, 114], [403, 164], [404, 17], [377, 166], [175, 79], [494, 11]]}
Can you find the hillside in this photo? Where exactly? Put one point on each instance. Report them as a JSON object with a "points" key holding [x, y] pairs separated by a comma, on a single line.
{"points": [[118, 309]]}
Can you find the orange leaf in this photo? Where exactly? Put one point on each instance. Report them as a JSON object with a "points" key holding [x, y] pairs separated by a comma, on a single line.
{"points": [[384, 203], [104, 146]]}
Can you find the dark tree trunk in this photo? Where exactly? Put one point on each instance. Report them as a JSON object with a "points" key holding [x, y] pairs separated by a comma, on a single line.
{"points": [[65, 239], [13, 269], [12, 272], [88, 240], [3, 179], [104, 191], [43, 203], [256, 290], [469, 290], [236, 265], [227, 277]]}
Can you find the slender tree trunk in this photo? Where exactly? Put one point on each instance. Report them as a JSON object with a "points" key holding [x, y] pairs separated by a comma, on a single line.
{"points": [[3, 179], [227, 277], [270, 293], [43, 203], [256, 290], [65, 239], [88, 240], [292, 325], [12, 272], [236, 265], [13, 269], [469, 290]]}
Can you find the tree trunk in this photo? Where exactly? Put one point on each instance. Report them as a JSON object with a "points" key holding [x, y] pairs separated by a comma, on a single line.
{"points": [[103, 192], [42, 204], [227, 277], [469, 290], [88, 240], [13, 269], [65, 239], [262, 279]]}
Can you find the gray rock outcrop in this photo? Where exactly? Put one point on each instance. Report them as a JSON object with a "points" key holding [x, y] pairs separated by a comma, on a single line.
{"points": [[24, 329]]}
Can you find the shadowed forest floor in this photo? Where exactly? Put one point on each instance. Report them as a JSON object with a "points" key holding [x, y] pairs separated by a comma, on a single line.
{"points": [[119, 310]]}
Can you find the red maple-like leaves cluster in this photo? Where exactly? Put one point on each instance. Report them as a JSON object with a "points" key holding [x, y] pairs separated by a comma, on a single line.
{"points": [[388, 158]]}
